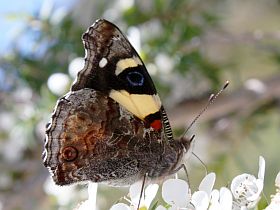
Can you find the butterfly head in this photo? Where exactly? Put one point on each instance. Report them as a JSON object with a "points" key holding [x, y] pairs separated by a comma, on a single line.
{"points": [[186, 142]]}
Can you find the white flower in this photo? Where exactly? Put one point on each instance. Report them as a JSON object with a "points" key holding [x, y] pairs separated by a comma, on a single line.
{"points": [[175, 192], [221, 200], [120, 206], [246, 188], [58, 83], [160, 207], [275, 200], [245, 193], [205, 198], [64, 195], [207, 183], [134, 193], [90, 204], [149, 194], [200, 199], [277, 180]]}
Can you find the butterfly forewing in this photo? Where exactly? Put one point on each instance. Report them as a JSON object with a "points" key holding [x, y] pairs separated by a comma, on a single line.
{"points": [[113, 66], [108, 54]]}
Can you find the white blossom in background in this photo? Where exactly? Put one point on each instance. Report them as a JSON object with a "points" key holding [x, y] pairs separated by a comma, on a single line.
{"points": [[46, 10], [246, 188], [134, 193], [134, 37], [164, 63], [275, 199], [256, 86], [75, 66], [58, 15], [58, 83], [64, 195]]}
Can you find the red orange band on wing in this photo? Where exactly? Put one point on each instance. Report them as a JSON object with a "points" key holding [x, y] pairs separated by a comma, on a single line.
{"points": [[156, 124]]}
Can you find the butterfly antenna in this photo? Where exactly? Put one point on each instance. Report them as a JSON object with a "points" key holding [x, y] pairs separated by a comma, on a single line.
{"points": [[212, 98], [204, 166], [187, 175]]}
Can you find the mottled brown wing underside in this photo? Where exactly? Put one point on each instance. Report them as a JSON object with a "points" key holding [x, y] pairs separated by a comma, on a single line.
{"points": [[91, 138]]}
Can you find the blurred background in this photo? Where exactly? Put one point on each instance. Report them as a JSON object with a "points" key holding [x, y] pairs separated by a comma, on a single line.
{"points": [[190, 47]]}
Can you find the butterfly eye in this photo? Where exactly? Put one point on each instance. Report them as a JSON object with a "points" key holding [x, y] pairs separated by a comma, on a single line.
{"points": [[135, 78]]}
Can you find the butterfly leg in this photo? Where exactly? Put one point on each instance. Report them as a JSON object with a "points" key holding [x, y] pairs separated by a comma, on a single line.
{"points": [[142, 190], [185, 169]]}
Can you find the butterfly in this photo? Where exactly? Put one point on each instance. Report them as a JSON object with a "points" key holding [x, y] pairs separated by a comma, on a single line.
{"points": [[111, 127]]}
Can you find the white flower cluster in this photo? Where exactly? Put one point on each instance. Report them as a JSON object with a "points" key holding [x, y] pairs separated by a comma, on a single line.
{"points": [[244, 193], [275, 200]]}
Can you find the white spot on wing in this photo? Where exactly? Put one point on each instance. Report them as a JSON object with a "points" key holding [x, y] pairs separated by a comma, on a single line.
{"points": [[103, 62]]}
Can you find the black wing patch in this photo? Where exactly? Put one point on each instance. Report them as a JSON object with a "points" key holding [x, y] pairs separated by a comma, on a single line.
{"points": [[111, 62]]}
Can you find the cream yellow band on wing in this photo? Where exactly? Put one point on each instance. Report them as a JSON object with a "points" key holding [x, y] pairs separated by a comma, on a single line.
{"points": [[141, 105], [126, 63]]}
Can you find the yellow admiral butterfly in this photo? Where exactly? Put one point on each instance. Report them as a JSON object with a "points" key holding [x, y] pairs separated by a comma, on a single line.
{"points": [[111, 127]]}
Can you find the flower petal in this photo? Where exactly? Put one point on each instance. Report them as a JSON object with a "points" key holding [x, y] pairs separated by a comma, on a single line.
{"points": [[134, 193], [200, 200], [176, 191], [86, 205], [214, 200], [92, 193], [148, 196], [261, 168], [207, 183], [277, 180], [246, 190], [160, 207], [238, 183], [255, 196], [64, 195], [150, 193], [275, 199], [225, 199], [215, 195], [120, 206]]}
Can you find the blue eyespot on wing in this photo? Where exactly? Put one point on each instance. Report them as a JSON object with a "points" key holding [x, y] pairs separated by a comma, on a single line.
{"points": [[135, 78]]}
